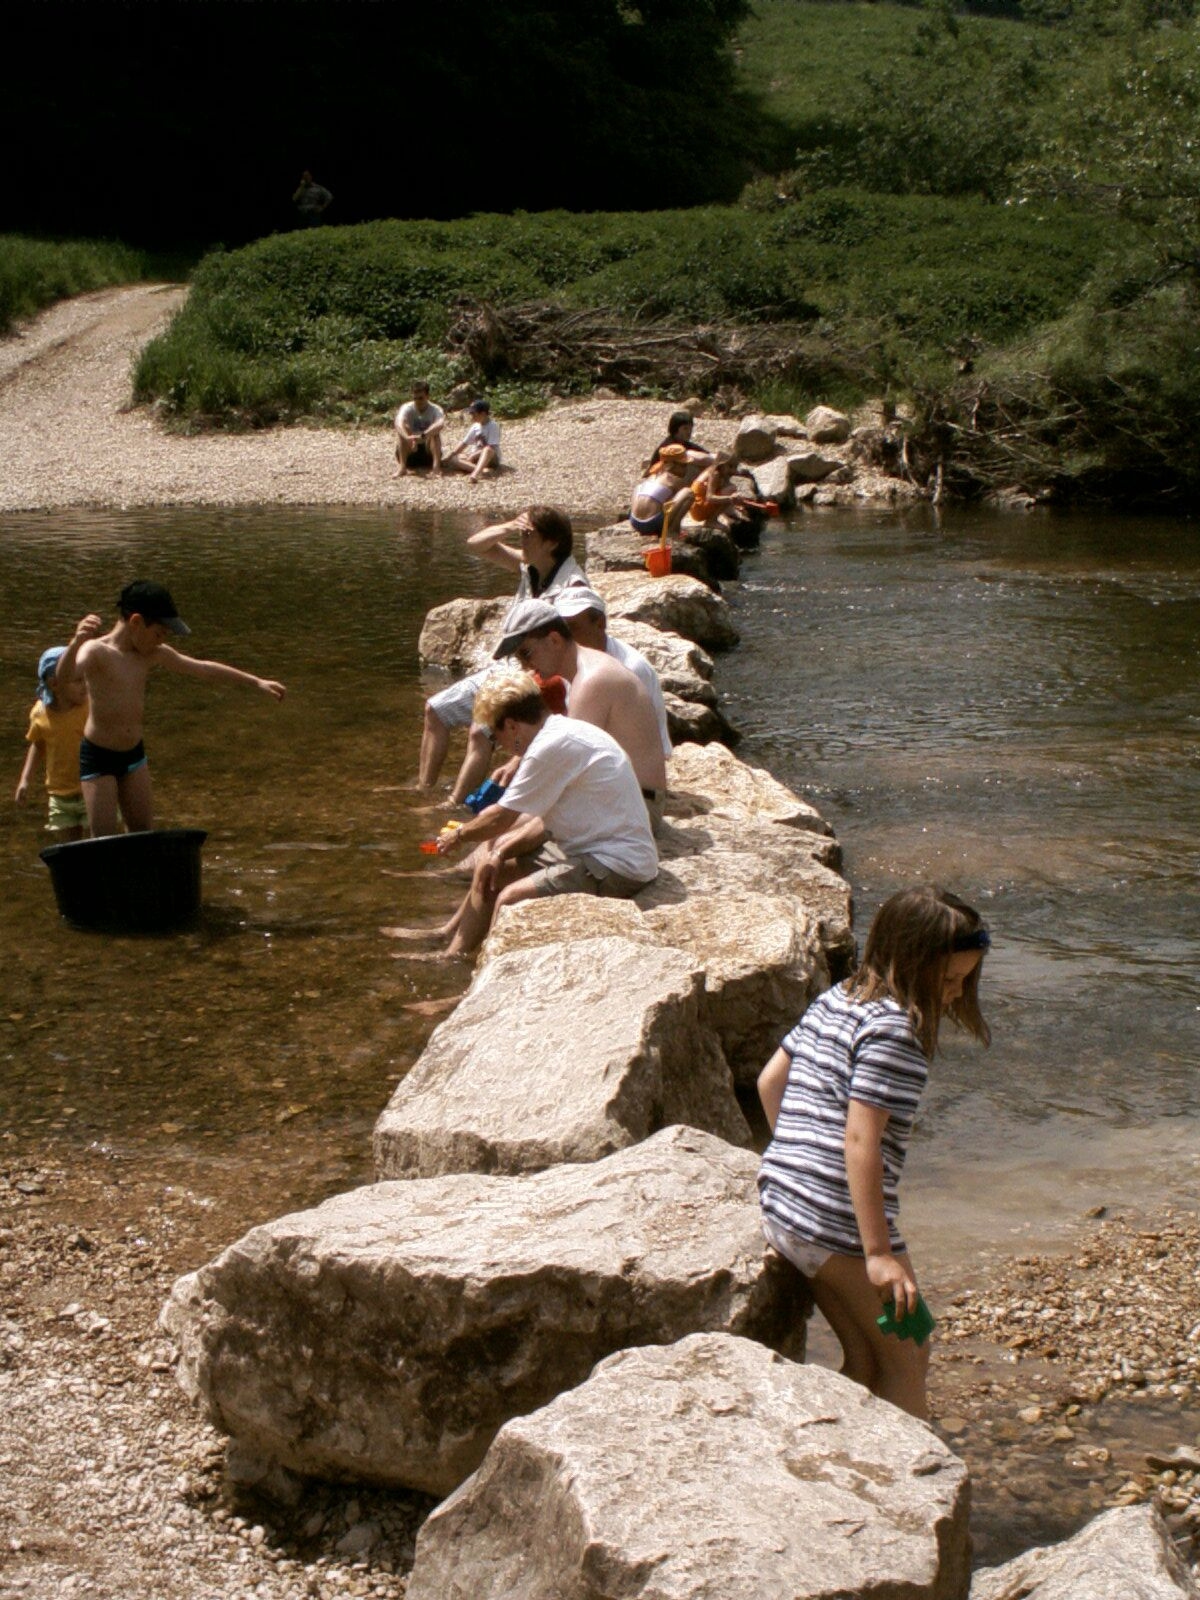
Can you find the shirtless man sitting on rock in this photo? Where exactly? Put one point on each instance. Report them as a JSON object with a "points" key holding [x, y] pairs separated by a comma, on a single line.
{"points": [[573, 821], [602, 691]]}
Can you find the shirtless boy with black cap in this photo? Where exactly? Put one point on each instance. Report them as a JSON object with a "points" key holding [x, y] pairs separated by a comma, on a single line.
{"points": [[115, 666]]}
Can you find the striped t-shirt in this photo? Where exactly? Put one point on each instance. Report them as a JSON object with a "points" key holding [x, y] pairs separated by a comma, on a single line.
{"points": [[841, 1050]]}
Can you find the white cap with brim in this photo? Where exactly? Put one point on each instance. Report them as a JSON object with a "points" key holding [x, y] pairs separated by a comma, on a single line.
{"points": [[578, 598]]}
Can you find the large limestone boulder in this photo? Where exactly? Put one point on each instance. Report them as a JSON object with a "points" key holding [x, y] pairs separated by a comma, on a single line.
{"points": [[566, 918], [755, 439], [683, 668], [1125, 1554], [773, 481], [810, 467], [689, 722], [711, 1469], [616, 548], [784, 426], [723, 858], [761, 955], [714, 542], [562, 1054], [387, 1334], [619, 549], [712, 781], [676, 603], [764, 963], [824, 425], [462, 634]]}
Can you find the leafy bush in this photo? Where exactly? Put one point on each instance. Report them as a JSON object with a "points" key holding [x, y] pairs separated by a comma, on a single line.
{"points": [[36, 272], [336, 322]]}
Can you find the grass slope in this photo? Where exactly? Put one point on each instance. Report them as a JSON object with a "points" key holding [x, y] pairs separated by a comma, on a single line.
{"points": [[36, 272]]}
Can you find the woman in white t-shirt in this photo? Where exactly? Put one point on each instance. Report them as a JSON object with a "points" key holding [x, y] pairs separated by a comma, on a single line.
{"points": [[479, 450], [841, 1094]]}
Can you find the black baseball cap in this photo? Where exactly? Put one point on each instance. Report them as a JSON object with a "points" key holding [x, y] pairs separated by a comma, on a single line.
{"points": [[154, 603]]}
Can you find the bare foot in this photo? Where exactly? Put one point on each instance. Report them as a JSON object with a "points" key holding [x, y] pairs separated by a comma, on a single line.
{"points": [[424, 955], [429, 1008], [416, 935]]}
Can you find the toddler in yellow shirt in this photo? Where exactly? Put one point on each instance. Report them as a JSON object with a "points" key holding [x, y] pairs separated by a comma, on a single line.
{"points": [[56, 724]]}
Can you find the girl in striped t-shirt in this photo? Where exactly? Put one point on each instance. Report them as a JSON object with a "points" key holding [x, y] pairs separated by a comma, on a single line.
{"points": [[840, 1095]]}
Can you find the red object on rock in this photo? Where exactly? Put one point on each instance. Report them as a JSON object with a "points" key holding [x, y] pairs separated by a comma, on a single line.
{"points": [[554, 693]]}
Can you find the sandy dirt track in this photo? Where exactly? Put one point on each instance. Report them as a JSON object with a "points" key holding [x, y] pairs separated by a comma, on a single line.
{"points": [[69, 436]]}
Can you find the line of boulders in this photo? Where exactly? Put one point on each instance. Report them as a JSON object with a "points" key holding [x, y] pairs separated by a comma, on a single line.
{"points": [[825, 460], [554, 1305]]}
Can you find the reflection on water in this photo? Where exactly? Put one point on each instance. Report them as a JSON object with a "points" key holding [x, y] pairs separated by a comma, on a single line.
{"points": [[263, 1044], [1006, 704], [1010, 706]]}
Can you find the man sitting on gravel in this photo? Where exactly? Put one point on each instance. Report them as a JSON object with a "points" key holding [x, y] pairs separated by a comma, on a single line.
{"points": [[419, 425], [573, 821], [602, 691]]}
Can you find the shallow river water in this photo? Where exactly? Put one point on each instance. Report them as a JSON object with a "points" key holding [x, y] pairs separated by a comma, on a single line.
{"points": [[1008, 705]]}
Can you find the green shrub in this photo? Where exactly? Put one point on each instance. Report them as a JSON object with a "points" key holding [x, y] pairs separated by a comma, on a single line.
{"points": [[336, 322], [36, 272]]}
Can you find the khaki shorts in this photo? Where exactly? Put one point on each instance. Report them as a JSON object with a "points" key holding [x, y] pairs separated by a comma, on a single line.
{"points": [[656, 800], [554, 872], [66, 811]]}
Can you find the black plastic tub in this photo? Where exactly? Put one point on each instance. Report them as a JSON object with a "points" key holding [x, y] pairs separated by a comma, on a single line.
{"points": [[130, 882]]}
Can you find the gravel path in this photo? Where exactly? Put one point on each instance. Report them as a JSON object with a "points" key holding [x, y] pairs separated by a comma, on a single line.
{"points": [[68, 436]]}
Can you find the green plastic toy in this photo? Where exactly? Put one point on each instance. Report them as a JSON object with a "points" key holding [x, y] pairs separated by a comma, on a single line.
{"points": [[916, 1324]]}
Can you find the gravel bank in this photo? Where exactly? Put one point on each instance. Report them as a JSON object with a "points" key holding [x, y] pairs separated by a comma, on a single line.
{"points": [[1068, 1385], [68, 437]]}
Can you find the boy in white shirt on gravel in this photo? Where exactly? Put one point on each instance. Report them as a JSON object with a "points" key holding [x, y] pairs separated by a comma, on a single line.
{"points": [[479, 451]]}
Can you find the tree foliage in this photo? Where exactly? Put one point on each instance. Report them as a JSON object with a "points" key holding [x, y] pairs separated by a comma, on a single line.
{"points": [[1129, 139], [191, 120]]}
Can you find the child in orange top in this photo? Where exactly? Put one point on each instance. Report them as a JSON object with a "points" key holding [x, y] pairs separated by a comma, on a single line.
{"points": [[56, 724]]}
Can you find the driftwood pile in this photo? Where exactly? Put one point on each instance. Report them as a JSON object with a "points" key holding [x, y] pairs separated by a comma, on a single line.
{"points": [[539, 342]]}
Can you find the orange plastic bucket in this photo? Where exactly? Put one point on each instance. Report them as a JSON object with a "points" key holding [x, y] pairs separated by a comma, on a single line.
{"points": [[658, 560]]}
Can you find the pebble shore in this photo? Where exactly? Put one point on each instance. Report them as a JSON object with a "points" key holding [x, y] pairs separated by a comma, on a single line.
{"points": [[1068, 1385], [69, 437]]}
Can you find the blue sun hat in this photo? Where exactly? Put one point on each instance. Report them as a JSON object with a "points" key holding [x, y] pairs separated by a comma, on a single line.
{"points": [[46, 665]]}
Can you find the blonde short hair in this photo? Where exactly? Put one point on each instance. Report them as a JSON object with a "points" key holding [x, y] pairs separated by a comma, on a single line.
{"points": [[508, 694]]}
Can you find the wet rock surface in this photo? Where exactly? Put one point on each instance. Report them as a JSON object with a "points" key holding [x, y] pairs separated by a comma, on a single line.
{"points": [[623, 1487], [714, 782], [562, 1053], [675, 604], [387, 1334]]}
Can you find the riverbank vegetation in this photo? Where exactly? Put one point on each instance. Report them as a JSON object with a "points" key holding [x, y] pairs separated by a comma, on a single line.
{"points": [[867, 291], [990, 214], [36, 272]]}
